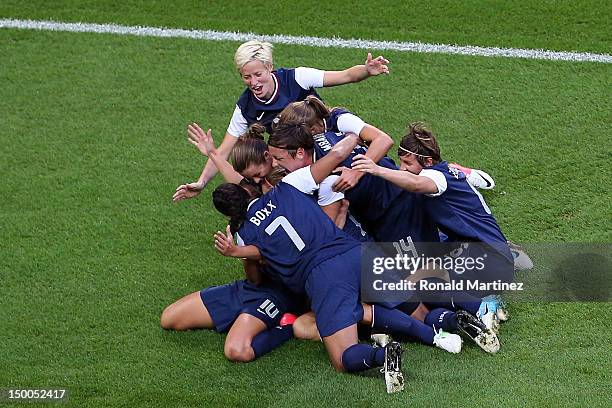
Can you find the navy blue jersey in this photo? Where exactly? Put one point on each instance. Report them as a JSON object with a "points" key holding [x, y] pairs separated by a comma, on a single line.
{"points": [[460, 211], [293, 234], [386, 211], [287, 91], [331, 123]]}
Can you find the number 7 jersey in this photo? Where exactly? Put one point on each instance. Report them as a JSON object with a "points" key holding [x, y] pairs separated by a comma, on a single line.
{"points": [[291, 231]]}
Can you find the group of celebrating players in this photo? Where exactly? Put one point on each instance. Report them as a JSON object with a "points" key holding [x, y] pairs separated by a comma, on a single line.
{"points": [[301, 205]]}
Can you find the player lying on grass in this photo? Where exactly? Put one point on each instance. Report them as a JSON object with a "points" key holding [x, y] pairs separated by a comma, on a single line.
{"points": [[268, 92], [456, 208]]}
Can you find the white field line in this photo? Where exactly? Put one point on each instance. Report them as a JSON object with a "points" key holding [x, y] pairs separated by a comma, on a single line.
{"points": [[307, 41]]}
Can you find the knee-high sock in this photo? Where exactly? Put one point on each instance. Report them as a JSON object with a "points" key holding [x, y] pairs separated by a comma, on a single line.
{"points": [[399, 323], [442, 319], [360, 357], [270, 339]]}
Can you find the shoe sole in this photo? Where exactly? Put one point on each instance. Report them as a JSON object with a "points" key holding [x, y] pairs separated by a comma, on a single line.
{"points": [[394, 379], [485, 338]]}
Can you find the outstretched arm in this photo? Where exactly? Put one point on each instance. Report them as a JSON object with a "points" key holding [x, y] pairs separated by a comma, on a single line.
{"points": [[372, 67], [402, 179]]}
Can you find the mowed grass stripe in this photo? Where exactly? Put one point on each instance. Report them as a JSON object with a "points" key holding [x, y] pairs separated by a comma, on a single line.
{"points": [[308, 41]]}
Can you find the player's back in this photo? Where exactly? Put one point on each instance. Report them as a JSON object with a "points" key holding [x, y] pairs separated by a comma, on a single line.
{"points": [[292, 233]]}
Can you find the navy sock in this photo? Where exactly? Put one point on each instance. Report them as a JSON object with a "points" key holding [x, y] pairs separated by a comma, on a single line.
{"points": [[442, 319], [270, 339], [360, 357], [400, 324]]}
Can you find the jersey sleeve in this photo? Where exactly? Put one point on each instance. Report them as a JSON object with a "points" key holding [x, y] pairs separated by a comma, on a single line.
{"points": [[437, 178], [309, 77], [347, 122], [238, 124], [326, 195], [302, 180]]}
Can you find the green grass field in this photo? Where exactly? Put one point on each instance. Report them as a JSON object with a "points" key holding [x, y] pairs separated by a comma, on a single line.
{"points": [[94, 144]]}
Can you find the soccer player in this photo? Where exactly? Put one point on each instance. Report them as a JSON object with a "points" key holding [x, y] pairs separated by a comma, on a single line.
{"points": [[310, 255], [268, 92], [456, 207]]}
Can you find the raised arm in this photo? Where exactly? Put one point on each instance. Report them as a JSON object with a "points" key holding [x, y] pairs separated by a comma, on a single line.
{"points": [[372, 67], [190, 190], [402, 179], [205, 144]]}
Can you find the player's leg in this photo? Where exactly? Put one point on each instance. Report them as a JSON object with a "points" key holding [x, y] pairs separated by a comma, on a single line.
{"points": [[189, 312], [305, 327], [477, 178], [238, 344]]}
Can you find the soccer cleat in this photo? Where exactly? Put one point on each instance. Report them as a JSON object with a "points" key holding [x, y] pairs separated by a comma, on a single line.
{"points": [[477, 178], [522, 262], [287, 320], [448, 341], [472, 327], [502, 310], [487, 312], [394, 379], [380, 339]]}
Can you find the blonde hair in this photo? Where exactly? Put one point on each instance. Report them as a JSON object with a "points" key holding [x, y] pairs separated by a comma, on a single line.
{"points": [[253, 51]]}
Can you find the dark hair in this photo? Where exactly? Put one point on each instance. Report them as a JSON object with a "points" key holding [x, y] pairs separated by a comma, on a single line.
{"points": [[249, 148], [291, 136], [232, 201], [421, 142]]}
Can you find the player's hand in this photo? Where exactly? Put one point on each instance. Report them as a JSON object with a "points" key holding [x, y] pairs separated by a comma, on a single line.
{"points": [[347, 180], [189, 190], [203, 141], [376, 66], [364, 164], [224, 242]]}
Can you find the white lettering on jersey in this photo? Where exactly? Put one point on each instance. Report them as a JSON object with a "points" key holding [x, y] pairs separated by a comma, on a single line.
{"points": [[262, 214]]}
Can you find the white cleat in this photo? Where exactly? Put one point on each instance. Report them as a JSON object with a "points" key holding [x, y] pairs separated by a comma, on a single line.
{"points": [[475, 329], [448, 341], [394, 379], [477, 178], [380, 339]]}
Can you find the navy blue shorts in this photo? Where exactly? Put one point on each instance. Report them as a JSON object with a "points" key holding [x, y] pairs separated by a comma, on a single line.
{"points": [[267, 302], [333, 289]]}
